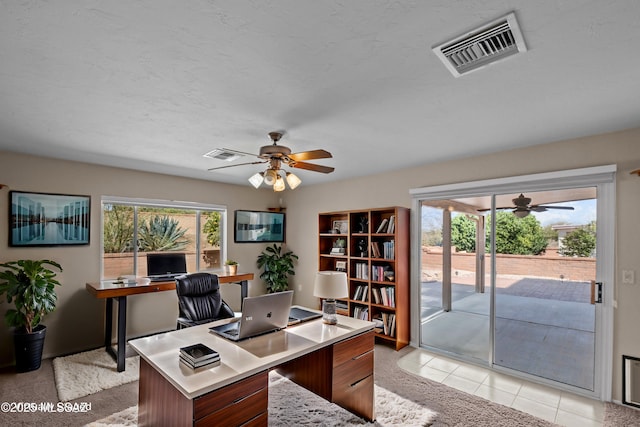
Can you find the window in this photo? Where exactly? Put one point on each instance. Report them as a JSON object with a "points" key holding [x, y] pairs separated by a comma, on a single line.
{"points": [[133, 228]]}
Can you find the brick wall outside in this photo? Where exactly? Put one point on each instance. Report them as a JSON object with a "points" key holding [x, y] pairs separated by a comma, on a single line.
{"points": [[549, 265]]}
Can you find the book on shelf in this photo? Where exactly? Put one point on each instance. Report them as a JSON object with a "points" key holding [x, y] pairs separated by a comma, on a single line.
{"points": [[383, 226], [392, 224], [361, 293], [361, 313], [389, 324]]}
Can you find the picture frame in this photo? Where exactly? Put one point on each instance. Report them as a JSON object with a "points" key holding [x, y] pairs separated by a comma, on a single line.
{"points": [[48, 219], [258, 227], [341, 265], [631, 381], [342, 226]]}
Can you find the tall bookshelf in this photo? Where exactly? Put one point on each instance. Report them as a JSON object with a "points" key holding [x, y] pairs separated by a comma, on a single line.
{"points": [[375, 257]]}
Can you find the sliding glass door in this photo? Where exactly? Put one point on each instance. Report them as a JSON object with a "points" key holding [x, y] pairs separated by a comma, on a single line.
{"points": [[509, 278]]}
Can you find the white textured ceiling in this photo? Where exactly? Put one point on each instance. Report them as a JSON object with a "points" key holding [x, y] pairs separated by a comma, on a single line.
{"points": [[155, 84]]}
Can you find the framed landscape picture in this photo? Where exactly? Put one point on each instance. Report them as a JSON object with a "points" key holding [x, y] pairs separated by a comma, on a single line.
{"points": [[41, 219], [257, 226]]}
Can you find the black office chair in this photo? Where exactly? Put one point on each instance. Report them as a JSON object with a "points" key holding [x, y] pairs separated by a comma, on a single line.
{"points": [[199, 300]]}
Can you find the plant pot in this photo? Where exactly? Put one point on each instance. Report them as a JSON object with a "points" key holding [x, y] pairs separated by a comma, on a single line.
{"points": [[28, 348], [233, 269]]}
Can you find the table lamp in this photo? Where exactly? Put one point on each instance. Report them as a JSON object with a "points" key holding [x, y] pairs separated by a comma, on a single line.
{"points": [[330, 285]]}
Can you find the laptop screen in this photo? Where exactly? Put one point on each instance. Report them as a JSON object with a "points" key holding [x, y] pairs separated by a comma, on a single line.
{"points": [[166, 263]]}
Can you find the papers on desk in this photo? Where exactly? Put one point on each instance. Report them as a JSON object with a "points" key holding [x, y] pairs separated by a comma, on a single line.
{"points": [[198, 355]]}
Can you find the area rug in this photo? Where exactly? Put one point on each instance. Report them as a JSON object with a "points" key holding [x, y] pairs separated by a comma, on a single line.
{"points": [[82, 374], [292, 405]]}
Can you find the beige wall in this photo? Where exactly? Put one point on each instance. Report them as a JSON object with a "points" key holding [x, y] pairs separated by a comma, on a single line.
{"points": [[621, 148], [78, 322]]}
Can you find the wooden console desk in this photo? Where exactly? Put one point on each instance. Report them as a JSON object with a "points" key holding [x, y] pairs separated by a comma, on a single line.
{"points": [[119, 292], [333, 361]]}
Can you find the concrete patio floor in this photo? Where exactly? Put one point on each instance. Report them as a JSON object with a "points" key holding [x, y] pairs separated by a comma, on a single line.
{"points": [[544, 327]]}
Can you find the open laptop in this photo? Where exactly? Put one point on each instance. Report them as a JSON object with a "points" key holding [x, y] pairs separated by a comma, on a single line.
{"points": [[260, 315], [166, 266]]}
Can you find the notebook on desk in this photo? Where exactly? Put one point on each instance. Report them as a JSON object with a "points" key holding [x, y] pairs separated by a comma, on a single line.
{"points": [[260, 315], [299, 315]]}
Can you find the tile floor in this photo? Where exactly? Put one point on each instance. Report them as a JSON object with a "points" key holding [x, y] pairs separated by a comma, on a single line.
{"points": [[544, 402]]}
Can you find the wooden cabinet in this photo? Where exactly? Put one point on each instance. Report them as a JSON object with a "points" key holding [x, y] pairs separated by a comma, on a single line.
{"points": [[372, 247]]}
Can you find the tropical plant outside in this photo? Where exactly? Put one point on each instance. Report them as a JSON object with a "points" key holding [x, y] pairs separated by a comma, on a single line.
{"points": [[463, 233], [580, 243], [161, 233], [212, 228], [30, 286], [118, 229]]}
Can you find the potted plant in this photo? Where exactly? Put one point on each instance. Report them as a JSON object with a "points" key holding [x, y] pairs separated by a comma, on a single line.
{"points": [[30, 286], [278, 266], [232, 266]]}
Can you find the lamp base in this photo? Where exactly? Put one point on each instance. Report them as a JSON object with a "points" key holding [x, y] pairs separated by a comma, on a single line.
{"points": [[329, 312]]}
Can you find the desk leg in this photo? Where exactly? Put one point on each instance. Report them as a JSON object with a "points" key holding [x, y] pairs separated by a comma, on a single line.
{"points": [[108, 324], [244, 289], [121, 343], [122, 331]]}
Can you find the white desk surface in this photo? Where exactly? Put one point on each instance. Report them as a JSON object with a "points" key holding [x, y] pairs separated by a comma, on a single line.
{"points": [[242, 359]]}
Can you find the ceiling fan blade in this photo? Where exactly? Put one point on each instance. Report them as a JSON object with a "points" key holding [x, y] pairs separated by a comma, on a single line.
{"points": [[540, 208], [312, 167], [310, 155], [232, 166]]}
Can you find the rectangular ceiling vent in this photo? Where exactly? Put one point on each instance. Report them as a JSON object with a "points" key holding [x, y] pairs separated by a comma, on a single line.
{"points": [[223, 154], [482, 46]]}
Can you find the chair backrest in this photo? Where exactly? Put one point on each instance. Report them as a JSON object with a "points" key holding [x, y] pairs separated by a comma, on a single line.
{"points": [[198, 296]]}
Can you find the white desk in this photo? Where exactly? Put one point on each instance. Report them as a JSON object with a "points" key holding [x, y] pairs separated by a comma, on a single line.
{"points": [[310, 353]]}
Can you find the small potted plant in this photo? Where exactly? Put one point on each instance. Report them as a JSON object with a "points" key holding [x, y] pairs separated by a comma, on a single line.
{"points": [[232, 266], [30, 286]]}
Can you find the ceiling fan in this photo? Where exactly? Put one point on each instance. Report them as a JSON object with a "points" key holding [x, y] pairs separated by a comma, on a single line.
{"points": [[523, 206], [277, 156]]}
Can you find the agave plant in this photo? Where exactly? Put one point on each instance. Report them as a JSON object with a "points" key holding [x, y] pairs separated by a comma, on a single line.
{"points": [[161, 234], [30, 286]]}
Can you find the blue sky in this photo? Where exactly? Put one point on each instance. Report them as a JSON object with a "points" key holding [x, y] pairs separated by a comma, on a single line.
{"points": [[584, 212]]}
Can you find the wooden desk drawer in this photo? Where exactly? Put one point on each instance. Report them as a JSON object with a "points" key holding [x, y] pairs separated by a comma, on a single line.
{"points": [[352, 348], [349, 373], [231, 396], [356, 397], [246, 410]]}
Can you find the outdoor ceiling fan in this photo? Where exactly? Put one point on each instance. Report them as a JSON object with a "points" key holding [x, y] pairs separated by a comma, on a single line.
{"points": [[277, 156], [523, 206]]}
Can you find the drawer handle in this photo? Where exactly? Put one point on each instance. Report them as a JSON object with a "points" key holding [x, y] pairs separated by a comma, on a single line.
{"points": [[360, 356], [359, 381]]}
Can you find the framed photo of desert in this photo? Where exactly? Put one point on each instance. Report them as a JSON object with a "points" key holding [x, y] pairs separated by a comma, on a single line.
{"points": [[43, 219]]}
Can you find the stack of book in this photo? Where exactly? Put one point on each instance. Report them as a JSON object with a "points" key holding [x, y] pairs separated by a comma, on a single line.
{"points": [[198, 355]]}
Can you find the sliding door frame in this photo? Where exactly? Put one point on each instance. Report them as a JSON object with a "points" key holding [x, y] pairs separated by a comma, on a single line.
{"points": [[601, 177]]}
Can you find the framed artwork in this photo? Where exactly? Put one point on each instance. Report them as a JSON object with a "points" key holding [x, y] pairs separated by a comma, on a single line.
{"points": [[631, 381], [41, 219], [341, 265], [341, 226], [258, 227]]}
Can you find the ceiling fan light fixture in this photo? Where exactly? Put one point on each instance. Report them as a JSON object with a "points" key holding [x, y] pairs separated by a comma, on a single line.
{"points": [[279, 184], [293, 180], [270, 177], [256, 180], [521, 212]]}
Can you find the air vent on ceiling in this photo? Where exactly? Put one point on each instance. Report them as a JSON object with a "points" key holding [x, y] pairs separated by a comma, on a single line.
{"points": [[482, 46], [223, 154]]}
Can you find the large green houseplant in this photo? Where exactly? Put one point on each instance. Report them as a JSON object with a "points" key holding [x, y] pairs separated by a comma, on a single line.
{"points": [[278, 266], [30, 286]]}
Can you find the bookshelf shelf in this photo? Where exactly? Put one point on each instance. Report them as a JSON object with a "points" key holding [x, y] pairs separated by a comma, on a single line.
{"points": [[376, 261]]}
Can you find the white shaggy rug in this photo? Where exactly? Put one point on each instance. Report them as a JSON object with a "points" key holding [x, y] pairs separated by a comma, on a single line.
{"points": [[292, 405], [82, 374]]}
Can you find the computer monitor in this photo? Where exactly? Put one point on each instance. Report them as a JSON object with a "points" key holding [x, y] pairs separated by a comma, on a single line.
{"points": [[165, 264]]}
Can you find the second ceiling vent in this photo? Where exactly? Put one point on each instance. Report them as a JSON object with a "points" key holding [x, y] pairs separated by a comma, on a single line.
{"points": [[473, 50]]}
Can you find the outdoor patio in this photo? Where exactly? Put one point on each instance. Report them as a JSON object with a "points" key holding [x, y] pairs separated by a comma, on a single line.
{"points": [[544, 327]]}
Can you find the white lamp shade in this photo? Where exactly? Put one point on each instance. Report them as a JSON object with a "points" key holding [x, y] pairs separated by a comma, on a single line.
{"points": [[279, 184], [256, 180], [293, 180], [331, 285]]}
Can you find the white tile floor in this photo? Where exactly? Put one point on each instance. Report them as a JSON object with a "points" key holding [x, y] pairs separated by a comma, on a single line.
{"points": [[544, 402]]}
